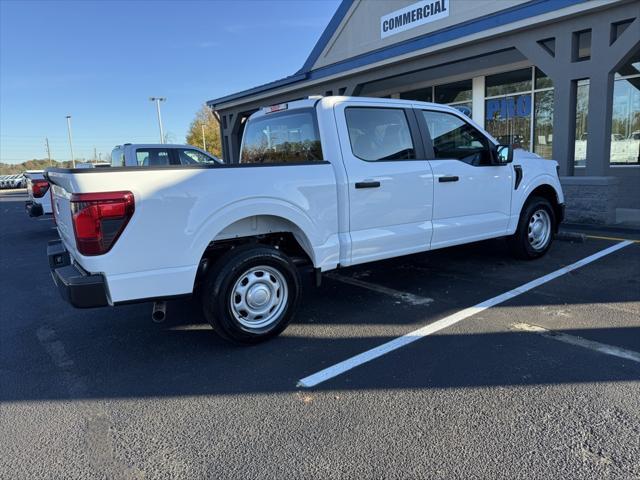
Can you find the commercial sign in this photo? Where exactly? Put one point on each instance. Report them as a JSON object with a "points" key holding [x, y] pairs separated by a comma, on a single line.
{"points": [[412, 16]]}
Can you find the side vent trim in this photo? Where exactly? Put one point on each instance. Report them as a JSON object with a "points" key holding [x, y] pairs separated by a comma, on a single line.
{"points": [[518, 170]]}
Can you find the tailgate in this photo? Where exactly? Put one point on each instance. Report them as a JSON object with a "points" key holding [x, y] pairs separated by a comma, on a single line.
{"points": [[30, 177], [61, 190]]}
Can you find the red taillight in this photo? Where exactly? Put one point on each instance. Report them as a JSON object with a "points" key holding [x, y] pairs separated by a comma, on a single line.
{"points": [[99, 219], [39, 188]]}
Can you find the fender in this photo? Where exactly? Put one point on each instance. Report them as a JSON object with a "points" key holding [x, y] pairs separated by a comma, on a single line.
{"points": [[527, 186], [314, 237]]}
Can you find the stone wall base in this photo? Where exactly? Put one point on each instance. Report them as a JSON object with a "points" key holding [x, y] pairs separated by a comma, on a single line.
{"points": [[591, 200]]}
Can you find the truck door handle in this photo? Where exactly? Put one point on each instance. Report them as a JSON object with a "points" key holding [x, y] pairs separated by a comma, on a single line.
{"points": [[368, 184], [449, 178]]}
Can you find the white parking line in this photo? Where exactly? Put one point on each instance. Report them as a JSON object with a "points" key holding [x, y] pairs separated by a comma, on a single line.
{"points": [[579, 341], [398, 295], [357, 360]]}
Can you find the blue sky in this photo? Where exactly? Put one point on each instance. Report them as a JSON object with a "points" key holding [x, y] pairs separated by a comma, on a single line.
{"points": [[100, 61]]}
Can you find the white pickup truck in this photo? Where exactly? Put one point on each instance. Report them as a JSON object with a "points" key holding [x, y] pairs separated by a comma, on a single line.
{"points": [[322, 183], [38, 196]]}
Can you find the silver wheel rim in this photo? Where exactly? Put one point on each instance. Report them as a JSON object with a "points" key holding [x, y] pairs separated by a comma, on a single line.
{"points": [[539, 229], [259, 297]]}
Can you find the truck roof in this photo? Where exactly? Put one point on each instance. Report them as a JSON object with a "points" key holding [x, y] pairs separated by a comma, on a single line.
{"points": [[310, 102], [156, 145]]}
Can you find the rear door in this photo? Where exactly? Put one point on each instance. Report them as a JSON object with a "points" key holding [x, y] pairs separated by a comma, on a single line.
{"points": [[472, 195], [390, 184]]}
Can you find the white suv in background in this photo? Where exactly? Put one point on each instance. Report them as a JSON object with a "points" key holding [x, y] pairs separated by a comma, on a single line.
{"points": [[159, 155]]}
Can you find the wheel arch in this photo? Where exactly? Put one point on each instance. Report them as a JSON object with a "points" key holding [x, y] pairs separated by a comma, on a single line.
{"points": [[548, 192], [279, 225], [266, 226]]}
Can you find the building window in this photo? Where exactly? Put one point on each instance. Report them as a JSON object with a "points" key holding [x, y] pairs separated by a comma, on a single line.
{"points": [[543, 126], [582, 116], [421, 95], [543, 114], [542, 81], [581, 46], [456, 94], [508, 82], [518, 106], [508, 107], [625, 116]]}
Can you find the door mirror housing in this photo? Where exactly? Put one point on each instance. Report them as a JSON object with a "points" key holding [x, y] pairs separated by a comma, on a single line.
{"points": [[504, 154]]}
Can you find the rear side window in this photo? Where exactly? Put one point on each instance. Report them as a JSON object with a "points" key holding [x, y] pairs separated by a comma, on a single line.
{"points": [[379, 134], [153, 157], [117, 157], [188, 156], [282, 138], [453, 138]]}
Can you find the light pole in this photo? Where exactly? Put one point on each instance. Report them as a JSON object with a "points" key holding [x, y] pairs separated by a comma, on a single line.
{"points": [[204, 141], [158, 100], [73, 162]]}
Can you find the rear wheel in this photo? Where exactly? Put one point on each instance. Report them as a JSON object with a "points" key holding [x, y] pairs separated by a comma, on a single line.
{"points": [[251, 294], [536, 227]]}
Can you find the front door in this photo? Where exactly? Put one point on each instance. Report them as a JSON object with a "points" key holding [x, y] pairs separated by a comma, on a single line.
{"points": [[472, 195], [390, 183]]}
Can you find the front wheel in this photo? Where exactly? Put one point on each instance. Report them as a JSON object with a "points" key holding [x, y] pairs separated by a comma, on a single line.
{"points": [[536, 227], [251, 294]]}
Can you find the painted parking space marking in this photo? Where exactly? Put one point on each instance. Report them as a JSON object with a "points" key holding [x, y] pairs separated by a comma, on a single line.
{"points": [[397, 294], [579, 341], [376, 352], [614, 239]]}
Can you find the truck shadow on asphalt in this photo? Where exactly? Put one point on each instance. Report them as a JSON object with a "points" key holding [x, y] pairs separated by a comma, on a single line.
{"points": [[187, 363]]}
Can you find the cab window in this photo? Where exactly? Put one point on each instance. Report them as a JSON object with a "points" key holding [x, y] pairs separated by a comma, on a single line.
{"points": [[282, 138], [453, 138], [153, 157], [379, 134]]}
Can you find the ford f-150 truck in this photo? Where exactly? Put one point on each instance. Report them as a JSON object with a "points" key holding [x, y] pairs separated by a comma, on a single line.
{"points": [[322, 183]]}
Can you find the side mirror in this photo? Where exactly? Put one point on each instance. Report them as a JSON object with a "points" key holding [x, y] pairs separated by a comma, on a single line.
{"points": [[504, 154]]}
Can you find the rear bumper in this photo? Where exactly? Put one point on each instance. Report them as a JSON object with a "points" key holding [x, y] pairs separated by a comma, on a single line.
{"points": [[79, 288], [33, 209]]}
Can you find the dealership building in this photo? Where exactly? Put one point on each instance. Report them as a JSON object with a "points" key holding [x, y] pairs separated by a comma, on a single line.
{"points": [[560, 78]]}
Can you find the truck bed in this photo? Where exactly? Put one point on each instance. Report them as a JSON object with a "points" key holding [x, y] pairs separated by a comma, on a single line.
{"points": [[179, 211]]}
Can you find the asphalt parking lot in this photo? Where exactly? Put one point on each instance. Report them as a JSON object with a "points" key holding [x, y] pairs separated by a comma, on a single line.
{"points": [[545, 384]]}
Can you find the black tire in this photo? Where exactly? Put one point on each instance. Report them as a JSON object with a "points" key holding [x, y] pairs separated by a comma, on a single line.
{"points": [[521, 244], [242, 264]]}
